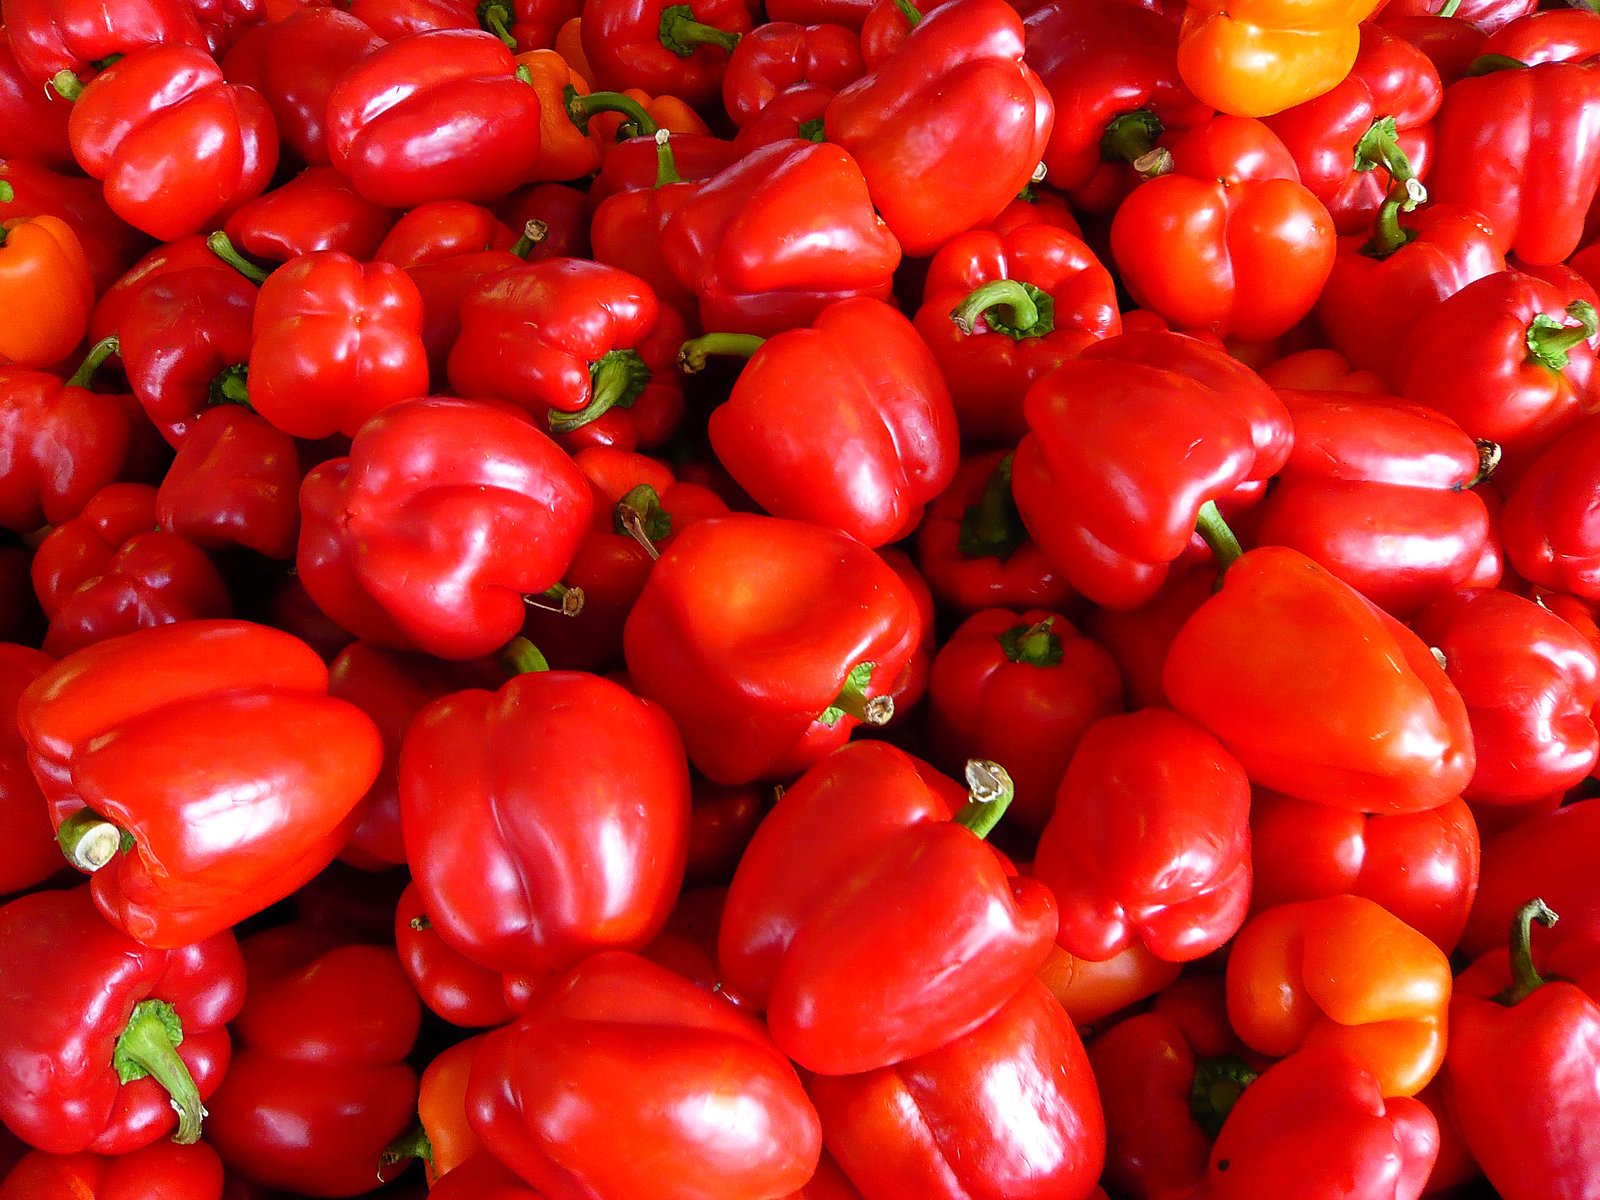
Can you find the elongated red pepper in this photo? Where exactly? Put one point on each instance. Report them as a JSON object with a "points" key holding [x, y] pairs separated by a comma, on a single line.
{"points": [[213, 748], [105, 1044], [763, 689]]}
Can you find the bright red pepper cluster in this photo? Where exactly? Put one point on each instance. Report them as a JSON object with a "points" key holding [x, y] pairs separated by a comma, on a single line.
{"points": [[837, 600]]}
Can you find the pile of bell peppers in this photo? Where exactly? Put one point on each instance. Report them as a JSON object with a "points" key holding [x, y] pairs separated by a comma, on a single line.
{"points": [[819, 600]]}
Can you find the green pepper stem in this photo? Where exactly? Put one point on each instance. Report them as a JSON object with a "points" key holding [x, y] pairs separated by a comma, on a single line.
{"points": [[413, 1143], [568, 601], [1215, 533], [1525, 977], [1018, 310], [639, 515], [852, 700], [1488, 64], [1036, 645], [67, 85], [7, 192], [683, 35], [1131, 136], [533, 232], [581, 108], [1450, 8], [692, 354], [666, 162], [910, 12], [88, 840], [616, 381], [1388, 235], [220, 245], [521, 657], [231, 385], [992, 528], [1549, 340], [148, 1047], [1379, 146], [814, 130], [92, 362], [1218, 1084], [1488, 460], [493, 15], [989, 793]]}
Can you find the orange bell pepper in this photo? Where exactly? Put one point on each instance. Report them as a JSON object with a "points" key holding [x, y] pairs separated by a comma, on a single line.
{"points": [[46, 290], [567, 149], [1343, 973]]}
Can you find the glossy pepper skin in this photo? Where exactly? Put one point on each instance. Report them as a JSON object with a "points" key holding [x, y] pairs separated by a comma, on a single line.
{"points": [[235, 482], [1149, 841], [636, 44], [1228, 240], [434, 116], [769, 242], [781, 55], [335, 342], [319, 1084], [512, 871], [1513, 144], [171, 733], [445, 514], [1524, 1051], [1379, 493], [30, 854], [177, 147], [910, 123], [624, 1049], [46, 283], [109, 242], [1265, 663], [86, 1007], [992, 331], [1509, 357], [1321, 1119], [847, 424], [863, 985], [1530, 682], [1550, 533], [110, 571], [37, 127], [760, 690], [1545, 855], [1422, 867], [1345, 974], [316, 210], [584, 347], [48, 36], [448, 982], [1010, 1111], [159, 1169], [1021, 689], [1113, 500]]}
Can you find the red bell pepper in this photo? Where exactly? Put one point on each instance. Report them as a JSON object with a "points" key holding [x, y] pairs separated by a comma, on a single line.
{"points": [[781, 55], [1509, 358], [1549, 854], [160, 1169], [448, 982], [440, 230], [1007, 1112], [1374, 126], [1229, 239], [1342, 973], [847, 425], [1020, 689], [1318, 693], [972, 547], [762, 689], [64, 443], [1112, 498], [35, 128], [30, 855], [294, 64], [1549, 530], [107, 1045], [1001, 309], [1422, 867], [123, 288], [1553, 36], [316, 210], [574, 342], [863, 984], [185, 337], [446, 1140], [444, 516], [1524, 1056], [213, 748], [319, 1084], [235, 482], [111, 571], [335, 342], [1379, 493], [1139, 638], [1149, 841], [434, 116], [624, 1052], [49, 36], [626, 228], [1530, 682], [958, 87], [769, 242], [45, 281], [1513, 144], [392, 687], [511, 872], [110, 244], [176, 146], [1320, 1119], [667, 49]]}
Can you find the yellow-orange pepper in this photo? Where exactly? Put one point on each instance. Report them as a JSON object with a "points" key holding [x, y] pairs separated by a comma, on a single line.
{"points": [[46, 290]]}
